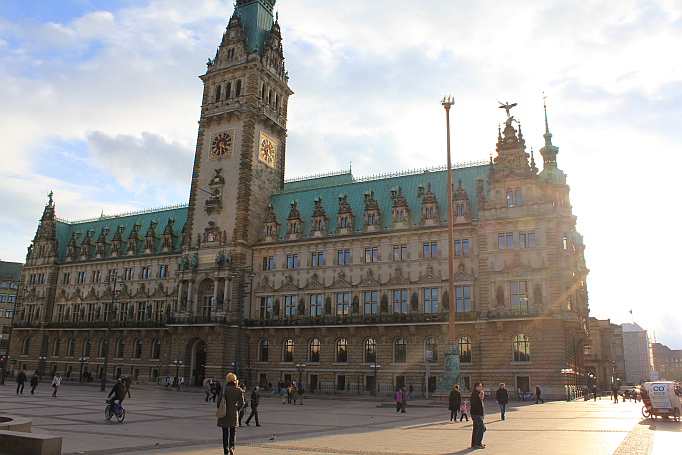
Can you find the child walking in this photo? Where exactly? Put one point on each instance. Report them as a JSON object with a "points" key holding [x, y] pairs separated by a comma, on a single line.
{"points": [[281, 392], [463, 411]]}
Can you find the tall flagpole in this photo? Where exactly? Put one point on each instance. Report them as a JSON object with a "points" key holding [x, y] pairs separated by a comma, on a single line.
{"points": [[447, 103]]}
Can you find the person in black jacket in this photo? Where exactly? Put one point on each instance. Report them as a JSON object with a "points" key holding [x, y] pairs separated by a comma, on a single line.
{"points": [[21, 379], [538, 392], [34, 383], [119, 392], [255, 401], [477, 414], [455, 402], [502, 397]]}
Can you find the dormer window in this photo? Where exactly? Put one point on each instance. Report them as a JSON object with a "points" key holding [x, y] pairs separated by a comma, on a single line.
{"points": [[270, 230], [428, 213], [371, 218], [400, 215], [293, 228], [344, 222]]}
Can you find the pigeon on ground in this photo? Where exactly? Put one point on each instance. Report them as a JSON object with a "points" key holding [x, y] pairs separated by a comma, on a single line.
{"points": [[272, 438]]}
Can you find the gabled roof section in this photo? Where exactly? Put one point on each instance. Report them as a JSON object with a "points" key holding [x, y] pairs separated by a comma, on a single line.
{"points": [[257, 20], [330, 187], [126, 221]]}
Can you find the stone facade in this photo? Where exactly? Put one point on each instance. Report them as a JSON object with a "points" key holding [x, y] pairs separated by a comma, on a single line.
{"points": [[342, 280]]}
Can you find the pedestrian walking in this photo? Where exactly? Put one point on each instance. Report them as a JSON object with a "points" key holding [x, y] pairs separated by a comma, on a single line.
{"points": [[218, 388], [281, 393], [207, 389], [289, 390], [594, 391], [234, 401], [454, 402], [463, 411], [502, 397], [411, 391], [242, 411], [295, 396], [538, 392], [398, 400], [56, 382], [405, 396], [34, 383], [127, 381], [614, 394], [214, 391], [255, 401], [167, 381], [21, 379], [477, 414]]}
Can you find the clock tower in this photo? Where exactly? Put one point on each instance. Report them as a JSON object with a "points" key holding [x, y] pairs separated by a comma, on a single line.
{"points": [[241, 143]]}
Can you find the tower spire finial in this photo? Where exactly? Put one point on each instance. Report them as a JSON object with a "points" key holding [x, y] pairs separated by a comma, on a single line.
{"points": [[544, 105]]}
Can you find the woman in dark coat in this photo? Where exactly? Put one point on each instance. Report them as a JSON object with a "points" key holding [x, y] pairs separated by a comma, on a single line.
{"points": [[234, 401], [455, 402]]}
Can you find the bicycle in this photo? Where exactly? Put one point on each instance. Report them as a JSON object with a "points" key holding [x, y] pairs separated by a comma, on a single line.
{"points": [[109, 413]]}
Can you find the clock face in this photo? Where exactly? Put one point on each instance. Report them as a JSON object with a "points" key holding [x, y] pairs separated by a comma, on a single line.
{"points": [[267, 150], [221, 144]]}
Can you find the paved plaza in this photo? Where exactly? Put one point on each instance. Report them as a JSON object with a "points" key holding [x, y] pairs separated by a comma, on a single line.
{"points": [[163, 422]]}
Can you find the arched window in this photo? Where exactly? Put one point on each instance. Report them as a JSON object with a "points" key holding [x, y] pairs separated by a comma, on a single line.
{"points": [[288, 350], [55, 348], [102, 347], [262, 92], [314, 350], [521, 348], [217, 94], [510, 198], [120, 348], [400, 351], [71, 348], [87, 345], [370, 350], [464, 346], [228, 90], [26, 347], [431, 344], [519, 200], [238, 88], [564, 242], [156, 349], [263, 346], [137, 349], [342, 350]]}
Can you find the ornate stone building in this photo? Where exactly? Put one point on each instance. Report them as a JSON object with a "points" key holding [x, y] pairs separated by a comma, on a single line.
{"points": [[333, 272]]}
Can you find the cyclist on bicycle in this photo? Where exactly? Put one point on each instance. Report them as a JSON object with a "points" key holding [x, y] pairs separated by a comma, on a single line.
{"points": [[119, 392]]}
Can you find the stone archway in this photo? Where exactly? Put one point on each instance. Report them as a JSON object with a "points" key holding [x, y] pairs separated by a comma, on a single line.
{"points": [[198, 361]]}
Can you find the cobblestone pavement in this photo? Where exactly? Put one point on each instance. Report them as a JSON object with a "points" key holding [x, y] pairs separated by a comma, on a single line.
{"points": [[161, 422]]}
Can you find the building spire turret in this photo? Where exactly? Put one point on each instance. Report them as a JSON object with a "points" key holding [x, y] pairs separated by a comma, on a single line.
{"points": [[549, 151]]}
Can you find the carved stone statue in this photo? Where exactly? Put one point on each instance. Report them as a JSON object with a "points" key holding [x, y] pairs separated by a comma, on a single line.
{"points": [[356, 305], [384, 303], [300, 311], [275, 309], [219, 259], [328, 306], [229, 259], [184, 263], [193, 262], [414, 303], [499, 298], [537, 295], [446, 300]]}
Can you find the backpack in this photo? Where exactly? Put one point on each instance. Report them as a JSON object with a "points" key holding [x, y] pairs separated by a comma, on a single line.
{"points": [[222, 409]]}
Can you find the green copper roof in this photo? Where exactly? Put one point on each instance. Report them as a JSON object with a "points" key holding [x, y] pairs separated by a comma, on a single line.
{"points": [[305, 191], [256, 17], [143, 219]]}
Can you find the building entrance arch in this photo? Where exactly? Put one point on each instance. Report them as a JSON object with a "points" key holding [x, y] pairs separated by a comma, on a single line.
{"points": [[198, 370]]}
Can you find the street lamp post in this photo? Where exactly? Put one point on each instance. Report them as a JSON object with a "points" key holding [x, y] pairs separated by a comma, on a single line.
{"points": [[567, 371], [177, 373], [83, 361], [375, 366], [41, 365], [300, 367], [3, 372], [447, 104], [103, 386]]}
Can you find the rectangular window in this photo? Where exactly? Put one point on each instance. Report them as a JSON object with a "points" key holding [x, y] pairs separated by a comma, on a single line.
{"points": [[316, 305], [146, 273], [140, 311], [9, 313], [268, 262], [90, 312], [2, 298], [5, 329], [400, 252], [344, 257], [371, 302], [462, 298], [465, 247], [400, 301], [41, 278], [163, 271], [431, 300], [531, 239], [11, 298], [317, 259], [112, 273], [66, 278], [265, 307], [510, 240], [128, 274], [500, 241], [81, 277], [430, 250], [96, 275], [342, 304], [372, 254], [292, 261], [518, 296], [289, 306], [458, 247]]}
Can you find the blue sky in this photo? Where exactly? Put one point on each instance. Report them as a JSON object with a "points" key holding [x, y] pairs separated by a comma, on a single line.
{"points": [[99, 102]]}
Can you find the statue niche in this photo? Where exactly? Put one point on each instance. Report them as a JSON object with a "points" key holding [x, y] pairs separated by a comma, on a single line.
{"points": [[499, 298]]}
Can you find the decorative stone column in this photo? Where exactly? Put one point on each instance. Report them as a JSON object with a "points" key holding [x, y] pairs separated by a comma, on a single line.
{"points": [[452, 374], [190, 297]]}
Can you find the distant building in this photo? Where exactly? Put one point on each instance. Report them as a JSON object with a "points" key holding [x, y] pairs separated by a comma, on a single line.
{"points": [[637, 352], [667, 362], [10, 279], [600, 354]]}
